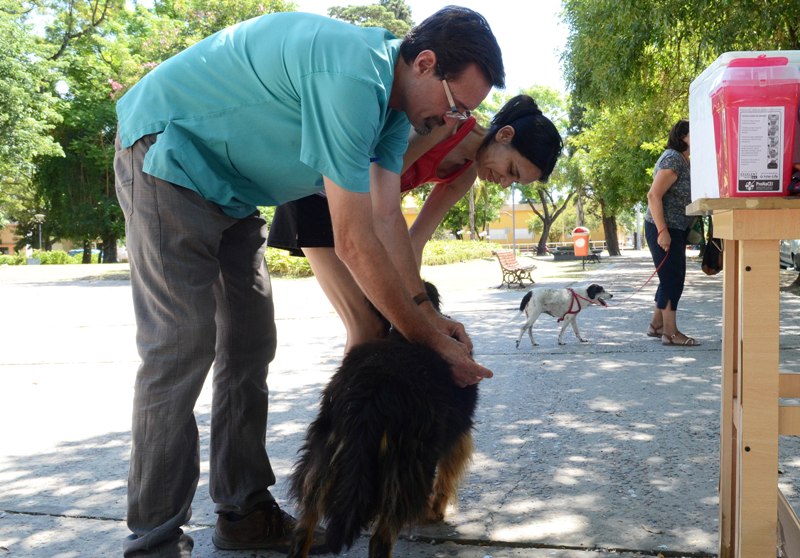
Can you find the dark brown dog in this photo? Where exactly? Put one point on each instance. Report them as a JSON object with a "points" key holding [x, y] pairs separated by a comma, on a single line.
{"points": [[390, 443]]}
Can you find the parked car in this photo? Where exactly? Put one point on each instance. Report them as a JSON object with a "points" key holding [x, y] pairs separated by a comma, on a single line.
{"points": [[790, 254]]}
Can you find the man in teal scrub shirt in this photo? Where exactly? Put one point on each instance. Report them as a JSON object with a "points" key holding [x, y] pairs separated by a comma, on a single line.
{"points": [[266, 111]]}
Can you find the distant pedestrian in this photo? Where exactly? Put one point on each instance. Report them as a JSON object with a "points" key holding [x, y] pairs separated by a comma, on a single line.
{"points": [[666, 226]]}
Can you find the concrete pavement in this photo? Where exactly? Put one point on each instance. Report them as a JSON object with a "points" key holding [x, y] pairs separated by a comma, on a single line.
{"points": [[608, 448]]}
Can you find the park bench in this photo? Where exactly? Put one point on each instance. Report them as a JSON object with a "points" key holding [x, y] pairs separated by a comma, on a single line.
{"points": [[567, 253], [513, 271]]}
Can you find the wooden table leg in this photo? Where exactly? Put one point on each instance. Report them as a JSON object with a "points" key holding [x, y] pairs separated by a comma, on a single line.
{"points": [[728, 434], [757, 442], [750, 407]]}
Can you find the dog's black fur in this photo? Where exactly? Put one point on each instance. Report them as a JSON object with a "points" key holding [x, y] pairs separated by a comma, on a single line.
{"points": [[392, 438]]}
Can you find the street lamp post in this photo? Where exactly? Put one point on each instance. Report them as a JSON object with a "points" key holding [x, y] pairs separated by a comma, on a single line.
{"points": [[39, 218], [513, 222], [527, 201]]}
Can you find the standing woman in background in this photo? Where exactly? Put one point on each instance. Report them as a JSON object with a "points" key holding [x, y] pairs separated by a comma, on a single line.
{"points": [[666, 226]]}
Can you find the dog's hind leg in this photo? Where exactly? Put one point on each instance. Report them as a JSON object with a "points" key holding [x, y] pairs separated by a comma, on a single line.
{"points": [[303, 536], [521, 333], [529, 328], [382, 540], [450, 470]]}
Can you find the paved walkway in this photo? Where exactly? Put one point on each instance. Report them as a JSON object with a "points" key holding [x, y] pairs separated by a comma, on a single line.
{"points": [[608, 448]]}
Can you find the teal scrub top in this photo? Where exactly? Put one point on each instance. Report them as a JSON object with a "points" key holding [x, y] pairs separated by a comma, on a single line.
{"points": [[257, 113]]}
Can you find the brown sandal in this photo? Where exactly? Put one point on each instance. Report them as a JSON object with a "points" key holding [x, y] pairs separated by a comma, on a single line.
{"points": [[688, 342], [653, 331]]}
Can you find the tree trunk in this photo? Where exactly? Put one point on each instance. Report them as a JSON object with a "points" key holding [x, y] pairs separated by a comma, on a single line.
{"points": [[110, 250], [87, 252], [547, 216], [472, 229], [541, 248], [610, 230]]}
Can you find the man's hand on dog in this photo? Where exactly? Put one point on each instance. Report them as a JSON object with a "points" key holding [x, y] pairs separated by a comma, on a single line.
{"points": [[464, 368], [455, 346], [451, 328]]}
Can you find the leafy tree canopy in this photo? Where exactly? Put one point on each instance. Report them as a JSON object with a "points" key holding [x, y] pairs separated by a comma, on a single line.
{"points": [[393, 15], [27, 110], [629, 65]]}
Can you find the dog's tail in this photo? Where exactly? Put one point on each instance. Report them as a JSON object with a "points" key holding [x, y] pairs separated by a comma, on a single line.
{"points": [[385, 471], [335, 477], [525, 300], [353, 494]]}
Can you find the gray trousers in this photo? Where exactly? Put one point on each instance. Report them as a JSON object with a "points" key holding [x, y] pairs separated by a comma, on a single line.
{"points": [[201, 295]]}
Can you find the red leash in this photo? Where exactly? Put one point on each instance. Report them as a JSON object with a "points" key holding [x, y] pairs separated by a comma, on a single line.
{"points": [[666, 255], [576, 296]]}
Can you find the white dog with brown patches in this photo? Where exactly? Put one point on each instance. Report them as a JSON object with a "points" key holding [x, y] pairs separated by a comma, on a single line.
{"points": [[564, 304]]}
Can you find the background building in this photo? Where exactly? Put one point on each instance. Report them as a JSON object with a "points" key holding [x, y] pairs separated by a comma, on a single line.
{"points": [[8, 238], [511, 226]]}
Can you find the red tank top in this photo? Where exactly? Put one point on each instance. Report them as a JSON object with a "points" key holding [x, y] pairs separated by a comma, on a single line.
{"points": [[424, 169]]}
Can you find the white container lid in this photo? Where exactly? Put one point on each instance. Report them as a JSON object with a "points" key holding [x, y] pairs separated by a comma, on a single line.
{"points": [[705, 182], [762, 70]]}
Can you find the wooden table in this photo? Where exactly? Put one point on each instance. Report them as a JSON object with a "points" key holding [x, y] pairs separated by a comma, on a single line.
{"points": [[755, 517]]}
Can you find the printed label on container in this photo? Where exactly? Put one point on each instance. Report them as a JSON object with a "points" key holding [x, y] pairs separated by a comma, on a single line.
{"points": [[760, 149]]}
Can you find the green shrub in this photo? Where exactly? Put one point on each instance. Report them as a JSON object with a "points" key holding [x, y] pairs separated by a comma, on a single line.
{"points": [[78, 258], [281, 264], [441, 252], [58, 257], [15, 259], [437, 252], [53, 257]]}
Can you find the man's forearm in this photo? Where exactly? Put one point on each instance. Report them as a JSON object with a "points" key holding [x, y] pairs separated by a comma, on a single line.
{"points": [[376, 274], [393, 234], [364, 253]]}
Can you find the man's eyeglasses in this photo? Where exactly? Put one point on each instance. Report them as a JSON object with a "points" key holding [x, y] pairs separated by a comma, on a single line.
{"points": [[453, 109]]}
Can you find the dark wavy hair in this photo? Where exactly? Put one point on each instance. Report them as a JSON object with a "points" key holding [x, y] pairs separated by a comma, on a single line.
{"points": [[459, 37], [535, 136], [676, 135]]}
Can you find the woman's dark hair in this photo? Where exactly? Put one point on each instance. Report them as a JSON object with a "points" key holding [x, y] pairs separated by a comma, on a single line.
{"points": [[535, 136], [459, 37], [676, 135]]}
